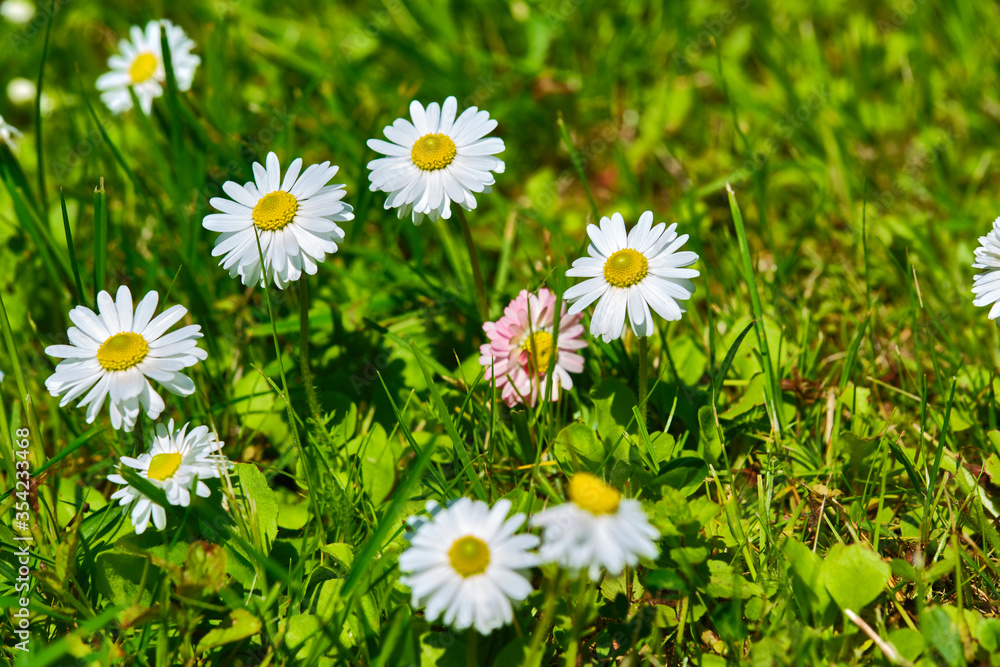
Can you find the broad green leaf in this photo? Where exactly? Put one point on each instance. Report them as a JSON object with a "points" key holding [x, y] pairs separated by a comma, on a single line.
{"points": [[259, 499], [853, 575], [613, 403], [239, 625], [685, 474], [576, 447]]}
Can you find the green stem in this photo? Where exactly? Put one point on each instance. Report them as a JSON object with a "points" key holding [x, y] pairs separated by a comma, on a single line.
{"points": [[473, 643], [477, 275], [307, 376], [643, 376], [292, 421], [542, 629]]}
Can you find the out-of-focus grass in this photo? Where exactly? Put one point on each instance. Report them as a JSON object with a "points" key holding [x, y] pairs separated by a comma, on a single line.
{"points": [[813, 112]]}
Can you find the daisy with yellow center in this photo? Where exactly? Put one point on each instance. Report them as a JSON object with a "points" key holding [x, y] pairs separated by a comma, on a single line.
{"points": [[177, 462], [628, 275], [597, 529], [521, 348], [139, 65], [436, 159], [466, 564], [116, 352], [295, 218]]}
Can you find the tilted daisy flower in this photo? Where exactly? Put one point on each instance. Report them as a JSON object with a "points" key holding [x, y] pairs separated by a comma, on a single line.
{"points": [[295, 217], [521, 347], [140, 65], [9, 134], [596, 529], [116, 353], [435, 160], [631, 274], [467, 564], [986, 286], [177, 462]]}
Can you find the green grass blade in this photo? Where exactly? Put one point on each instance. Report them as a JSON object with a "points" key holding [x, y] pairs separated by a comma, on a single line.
{"points": [[40, 155], [71, 249], [449, 426], [773, 392], [100, 238]]}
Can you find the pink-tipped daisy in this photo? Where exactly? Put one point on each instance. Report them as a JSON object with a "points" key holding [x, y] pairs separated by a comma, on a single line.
{"points": [[521, 347]]}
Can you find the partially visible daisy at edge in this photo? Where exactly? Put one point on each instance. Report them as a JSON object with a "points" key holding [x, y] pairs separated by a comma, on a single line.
{"points": [[520, 348], [117, 352], [9, 134], [139, 64], [629, 274], [597, 529], [986, 286], [295, 217], [177, 462], [435, 160], [467, 564]]}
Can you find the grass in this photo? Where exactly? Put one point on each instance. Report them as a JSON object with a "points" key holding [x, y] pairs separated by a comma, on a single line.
{"points": [[826, 488]]}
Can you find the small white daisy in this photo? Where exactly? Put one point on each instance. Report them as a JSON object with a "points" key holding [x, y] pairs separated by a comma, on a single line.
{"points": [[596, 529], [631, 274], [986, 286], [117, 353], [296, 218], [436, 160], [177, 462], [467, 564], [17, 11], [9, 133], [140, 65]]}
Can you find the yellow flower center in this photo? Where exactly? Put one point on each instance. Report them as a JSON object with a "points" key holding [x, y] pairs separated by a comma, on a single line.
{"points": [[122, 351], [274, 211], [590, 493], [539, 347], [625, 268], [469, 555], [143, 67], [163, 466], [433, 151]]}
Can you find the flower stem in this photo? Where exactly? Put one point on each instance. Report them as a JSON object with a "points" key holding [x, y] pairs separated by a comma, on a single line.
{"points": [[477, 275], [536, 648], [307, 376], [307, 461], [643, 376], [473, 643]]}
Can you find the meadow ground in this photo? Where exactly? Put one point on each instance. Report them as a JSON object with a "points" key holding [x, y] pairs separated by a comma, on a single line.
{"points": [[820, 453]]}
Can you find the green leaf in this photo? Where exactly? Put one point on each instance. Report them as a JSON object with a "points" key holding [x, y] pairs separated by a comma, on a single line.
{"points": [[240, 624], [119, 575], [576, 447], [805, 568], [613, 402], [853, 575], [685, 474], [942, 633], [260, 501], [908, 642], [709, 432]]}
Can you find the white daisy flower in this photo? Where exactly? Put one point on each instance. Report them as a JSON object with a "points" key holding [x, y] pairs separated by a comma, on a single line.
{"points": [[986, 286], [296, 218], [177, 462], [436, 160], [631, 274], [140, 65], [467, 564], [17, 11], [9, 133], [117, 353], [596, 529]]}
